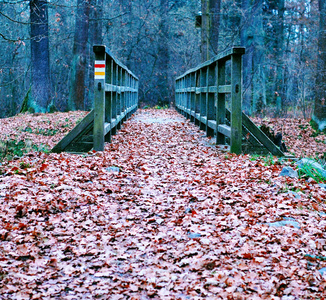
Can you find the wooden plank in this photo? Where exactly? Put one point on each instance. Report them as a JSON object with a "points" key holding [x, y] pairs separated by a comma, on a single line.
{"points": [[74, 133], [212, 89], [258, 135], [224, 129], [203, 119], [211, 124], [261, 136], [224, 89]]}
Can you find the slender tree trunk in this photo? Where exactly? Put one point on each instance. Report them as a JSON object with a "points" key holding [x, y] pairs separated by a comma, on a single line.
{"points": [[319, 115], [279, 52], [204, 31], [258, 75], [97, 22], [78, 68], [40, 62], [163, 55], [247, 41], [126, 8], [210, 25], [214, 26]]}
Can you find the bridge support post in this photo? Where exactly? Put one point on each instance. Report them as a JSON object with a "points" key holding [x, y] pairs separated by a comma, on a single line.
{"points": [[99, 98], [220, 105], [203, 99], [236, 105], [210, 109]]}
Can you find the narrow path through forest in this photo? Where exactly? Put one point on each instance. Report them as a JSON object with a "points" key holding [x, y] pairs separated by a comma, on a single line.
{"points": [[160, 214]]}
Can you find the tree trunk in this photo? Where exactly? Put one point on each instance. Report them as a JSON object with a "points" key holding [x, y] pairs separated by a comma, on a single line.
{"points": [[259, 78], [280, 88], [40, 62], [78, 68], [319, 115], [214, 26], [97, 23], [163, 55], [204, 31], [95, 38]]}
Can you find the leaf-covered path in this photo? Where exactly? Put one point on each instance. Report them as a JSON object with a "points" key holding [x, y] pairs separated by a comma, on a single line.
{"points": [[160, 214]]}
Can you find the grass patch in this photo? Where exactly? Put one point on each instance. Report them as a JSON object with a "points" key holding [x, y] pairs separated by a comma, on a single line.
{"points": [[41, 131], [12, 148], [312, 169]]}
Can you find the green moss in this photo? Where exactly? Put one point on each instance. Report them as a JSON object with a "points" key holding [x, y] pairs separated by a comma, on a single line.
{"points": [[24, 107]]}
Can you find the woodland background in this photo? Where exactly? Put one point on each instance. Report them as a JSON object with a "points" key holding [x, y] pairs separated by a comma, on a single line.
{"points": [[158, 40]]}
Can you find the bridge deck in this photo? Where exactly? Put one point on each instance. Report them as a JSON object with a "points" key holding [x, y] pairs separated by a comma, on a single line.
{"points": [[160, 214]]}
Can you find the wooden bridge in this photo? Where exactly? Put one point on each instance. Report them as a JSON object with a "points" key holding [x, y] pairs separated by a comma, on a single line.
{"points": [[201, 95]]}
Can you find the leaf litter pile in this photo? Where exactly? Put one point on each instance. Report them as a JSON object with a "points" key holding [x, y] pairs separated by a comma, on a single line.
{"points": [[159, 214]]}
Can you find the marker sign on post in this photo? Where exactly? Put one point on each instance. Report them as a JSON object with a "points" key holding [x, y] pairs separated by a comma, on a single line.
{"points": [[100, 69]]}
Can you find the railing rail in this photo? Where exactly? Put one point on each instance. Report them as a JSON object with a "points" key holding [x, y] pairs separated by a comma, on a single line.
{"points": [[115, 95], [200, 96]]}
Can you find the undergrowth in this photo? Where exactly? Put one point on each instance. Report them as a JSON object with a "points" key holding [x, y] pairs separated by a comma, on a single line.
{"points": [[312, 170], [13, 148]]}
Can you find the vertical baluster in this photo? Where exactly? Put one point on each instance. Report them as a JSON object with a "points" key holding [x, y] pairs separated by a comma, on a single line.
{"points": [[203, 95], [197, 98], [193, 96], [210, 109], [108, 97], [220, 107]]}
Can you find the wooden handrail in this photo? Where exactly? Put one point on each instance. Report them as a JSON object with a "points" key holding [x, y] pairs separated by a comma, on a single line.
{"points": [[200, 96], [115, 99], [115, 96]]}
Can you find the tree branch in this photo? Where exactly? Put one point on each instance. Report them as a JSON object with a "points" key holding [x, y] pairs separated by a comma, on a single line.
{"points": [[8, 39], [12, 20]]}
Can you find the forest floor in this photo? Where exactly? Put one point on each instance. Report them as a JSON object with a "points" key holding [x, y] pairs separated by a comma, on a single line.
{"points": [[160, 214]]}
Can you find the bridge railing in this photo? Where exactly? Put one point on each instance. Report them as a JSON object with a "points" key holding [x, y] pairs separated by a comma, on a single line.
{"points": [[115, 96], [200, 96]]}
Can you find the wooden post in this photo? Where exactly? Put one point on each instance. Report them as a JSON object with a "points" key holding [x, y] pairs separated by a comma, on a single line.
{"points": [[203, 95], [210, 105], [124, 95], [197, 98], [119, 96], [177, 95], [136, 94], [188, 84], [236, 105], [114, 96], [193, 96], [99, 98], [220, 105], [108, 98], [184, 96]]}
